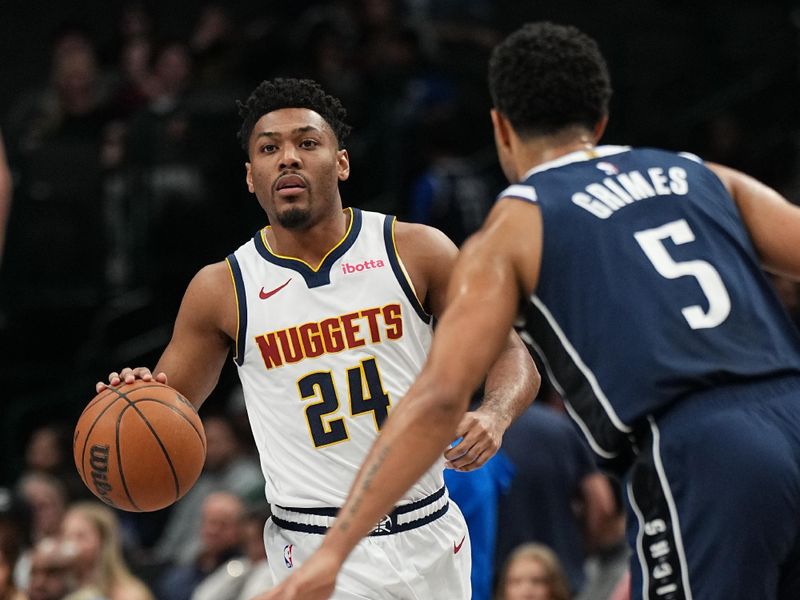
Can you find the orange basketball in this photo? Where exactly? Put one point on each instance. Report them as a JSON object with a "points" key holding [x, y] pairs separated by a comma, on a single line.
{"points": [[140, 446]]}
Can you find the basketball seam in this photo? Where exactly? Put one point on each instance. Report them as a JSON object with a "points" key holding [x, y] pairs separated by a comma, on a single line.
{"points": [[158, 439], [119, 455]]}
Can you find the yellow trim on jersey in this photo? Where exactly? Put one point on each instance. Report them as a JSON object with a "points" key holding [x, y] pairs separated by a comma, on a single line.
{"points": [[300, 260], [405, 272]]}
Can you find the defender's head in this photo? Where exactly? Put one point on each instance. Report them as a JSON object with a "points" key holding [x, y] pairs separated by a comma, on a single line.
{"points": [[545, 78]]}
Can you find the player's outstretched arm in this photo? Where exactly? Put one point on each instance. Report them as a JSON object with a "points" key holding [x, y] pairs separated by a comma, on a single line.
{"points": [[201, 338], [512, 381], [495, 268], [772, 221]]}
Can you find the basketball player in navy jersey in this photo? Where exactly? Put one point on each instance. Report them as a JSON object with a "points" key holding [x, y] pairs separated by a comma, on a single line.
{"points": [[329, 312], [639, 273]]}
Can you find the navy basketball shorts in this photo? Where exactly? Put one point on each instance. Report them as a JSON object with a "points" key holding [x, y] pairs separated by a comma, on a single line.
{"points": [[714, 497]]}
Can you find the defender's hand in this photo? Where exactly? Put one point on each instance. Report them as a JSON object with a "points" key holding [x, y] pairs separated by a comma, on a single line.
{"points": [[480, 440], [128, 375]]}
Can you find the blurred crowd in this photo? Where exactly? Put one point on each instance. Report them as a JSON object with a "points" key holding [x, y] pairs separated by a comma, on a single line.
{"points": [[123, 175]]}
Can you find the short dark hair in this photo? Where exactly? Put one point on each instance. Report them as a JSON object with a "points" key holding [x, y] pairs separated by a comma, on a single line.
{"points": [[280, 92], [546, 77]]}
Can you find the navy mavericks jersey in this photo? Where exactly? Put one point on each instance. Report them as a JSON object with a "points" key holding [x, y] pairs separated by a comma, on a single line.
{"points": [[650, 288]]}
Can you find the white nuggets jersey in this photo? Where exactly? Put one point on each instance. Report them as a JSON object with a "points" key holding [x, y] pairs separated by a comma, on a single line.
{"points": [[323, 355]]}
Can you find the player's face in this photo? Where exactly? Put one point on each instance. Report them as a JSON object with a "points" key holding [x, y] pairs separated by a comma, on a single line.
{"points": [[295, 167]]}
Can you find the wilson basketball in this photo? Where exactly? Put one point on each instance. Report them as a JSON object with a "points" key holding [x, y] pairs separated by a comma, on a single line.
{"points": [[139, 447]]}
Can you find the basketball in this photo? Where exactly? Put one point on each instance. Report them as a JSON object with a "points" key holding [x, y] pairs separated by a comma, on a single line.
{"points": [[139, 447]]}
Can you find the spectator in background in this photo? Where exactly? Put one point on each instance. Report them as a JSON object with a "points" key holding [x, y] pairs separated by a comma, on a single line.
{"points": [[57, 136], [9, 552], [532, 572], [557, 496], [46, 500], [13, 539], [227, 468], [49, 452], [259, 577], [246, 575], [52, 576], [92, 531], [220, 548]]}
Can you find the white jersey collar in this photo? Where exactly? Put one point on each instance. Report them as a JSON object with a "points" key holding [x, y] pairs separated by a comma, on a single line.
{"points": [[577, 156]]}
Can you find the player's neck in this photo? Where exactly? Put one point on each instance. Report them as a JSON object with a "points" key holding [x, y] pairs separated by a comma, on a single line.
{"points": [[542, 149], [310, 245]]}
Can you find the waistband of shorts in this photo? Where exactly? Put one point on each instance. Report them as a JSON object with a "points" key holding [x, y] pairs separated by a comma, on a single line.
{"points": [[403, 518]]}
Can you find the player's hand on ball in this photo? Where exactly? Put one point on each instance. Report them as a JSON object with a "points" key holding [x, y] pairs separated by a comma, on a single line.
{"points": [[480, 440], [128, 375]]}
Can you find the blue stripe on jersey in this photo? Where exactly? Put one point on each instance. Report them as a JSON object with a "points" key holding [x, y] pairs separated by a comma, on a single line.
{"points": [[322, 274], [394, 260], [241, 308]]}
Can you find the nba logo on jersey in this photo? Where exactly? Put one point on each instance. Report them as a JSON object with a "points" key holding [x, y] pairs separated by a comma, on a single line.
{"points": [[607, 168], [287, 555]]}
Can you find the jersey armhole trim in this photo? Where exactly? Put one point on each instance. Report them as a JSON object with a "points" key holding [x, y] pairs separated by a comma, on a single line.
{"points": [[241, 308], [520, 191], [399, 270]]}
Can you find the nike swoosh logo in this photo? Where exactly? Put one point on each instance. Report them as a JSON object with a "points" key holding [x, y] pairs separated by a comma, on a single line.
{"points": [[457, 547], [264, 295]]}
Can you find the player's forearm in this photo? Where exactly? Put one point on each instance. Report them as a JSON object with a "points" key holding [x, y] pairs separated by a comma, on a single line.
{"points": [[511, 384]]}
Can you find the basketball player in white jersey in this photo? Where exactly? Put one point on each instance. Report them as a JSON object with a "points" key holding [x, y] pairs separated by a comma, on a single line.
{"points": [[329, 312]]}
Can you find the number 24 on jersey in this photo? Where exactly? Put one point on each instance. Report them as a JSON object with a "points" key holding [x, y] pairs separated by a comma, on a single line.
{"points": [[366, 395]]}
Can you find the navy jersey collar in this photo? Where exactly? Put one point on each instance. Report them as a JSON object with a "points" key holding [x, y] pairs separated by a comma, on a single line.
{"points": [[320, 275]]}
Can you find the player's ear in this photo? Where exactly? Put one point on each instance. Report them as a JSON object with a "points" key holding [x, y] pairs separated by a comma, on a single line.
{"points": [[249, 178], [600, 128], [342, 164], [502, 129]]}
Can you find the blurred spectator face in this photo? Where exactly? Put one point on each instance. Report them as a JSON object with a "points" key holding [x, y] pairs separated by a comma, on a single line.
{"points": [[50, 577], [135, 20], [221, 525], [75, 78], [47, 501], [43, 452], [172, 69], [135, 61], [527, 579], [221, 443], [83, 539]]}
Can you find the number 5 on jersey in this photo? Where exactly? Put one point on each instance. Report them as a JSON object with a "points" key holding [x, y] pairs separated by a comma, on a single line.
{"points": [[719, 302], [366, 392]]}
